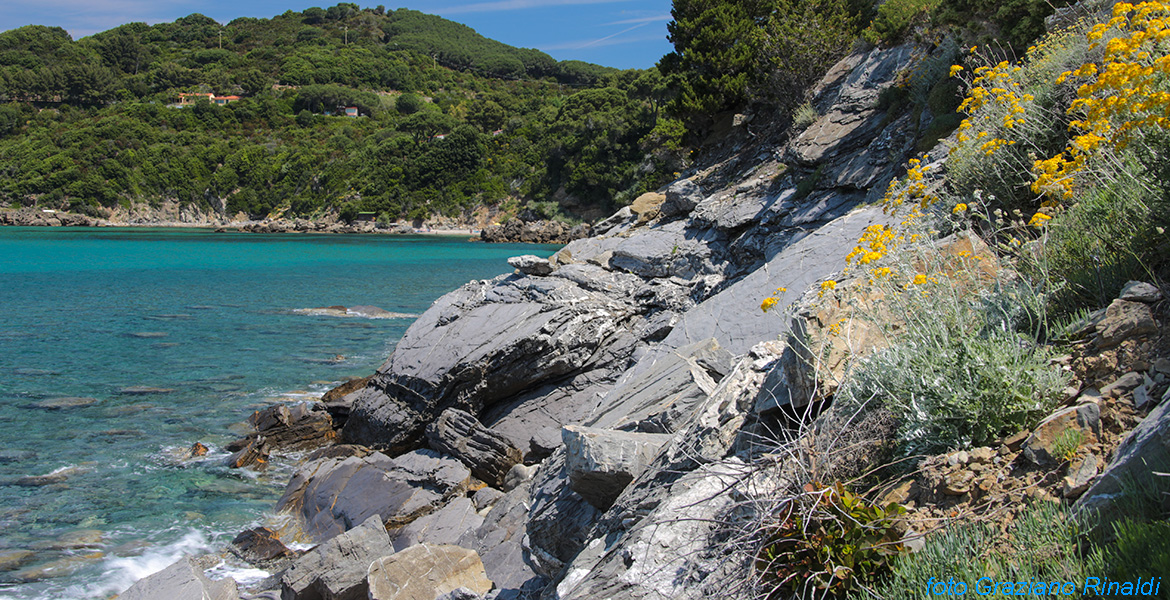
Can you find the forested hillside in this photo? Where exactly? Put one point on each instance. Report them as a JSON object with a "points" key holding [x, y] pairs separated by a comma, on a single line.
{"points": [[448, 121]]}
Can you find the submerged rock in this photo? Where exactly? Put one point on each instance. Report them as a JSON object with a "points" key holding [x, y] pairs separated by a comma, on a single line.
{"points": [[66, 403]]}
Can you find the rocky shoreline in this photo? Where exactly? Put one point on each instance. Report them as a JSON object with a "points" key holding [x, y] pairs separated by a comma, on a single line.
{"points": [[598, 423]]}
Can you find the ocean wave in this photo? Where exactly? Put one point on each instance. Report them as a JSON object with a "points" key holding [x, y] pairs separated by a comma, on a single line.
{"points": [[360, 312]]}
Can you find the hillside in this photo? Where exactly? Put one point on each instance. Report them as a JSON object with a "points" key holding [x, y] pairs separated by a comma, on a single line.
{"points": [[449, 121]]}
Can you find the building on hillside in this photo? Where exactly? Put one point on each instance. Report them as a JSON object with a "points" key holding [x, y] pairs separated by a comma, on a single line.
{"points": [[351, 111], [189, 99]]}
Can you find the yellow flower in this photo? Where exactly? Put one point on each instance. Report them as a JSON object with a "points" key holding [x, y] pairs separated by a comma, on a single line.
{"points": [[829, 284], [767, 304], [919, 279], [960, 207], [956, 69], [1039, 220]]}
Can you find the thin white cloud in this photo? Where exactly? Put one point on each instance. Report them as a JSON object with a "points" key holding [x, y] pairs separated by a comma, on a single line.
{"points": [[654, 19], [500, 5], [611, 40]]}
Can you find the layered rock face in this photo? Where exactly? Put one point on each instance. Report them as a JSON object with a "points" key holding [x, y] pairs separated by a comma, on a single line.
{"points": [[607, 395]]}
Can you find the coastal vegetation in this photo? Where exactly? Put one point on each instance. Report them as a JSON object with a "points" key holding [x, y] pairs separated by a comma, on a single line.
{"points": [[448, 121], [1056, 174]]}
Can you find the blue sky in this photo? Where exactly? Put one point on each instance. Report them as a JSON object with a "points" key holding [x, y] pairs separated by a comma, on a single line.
{"points": [[616, 33]]}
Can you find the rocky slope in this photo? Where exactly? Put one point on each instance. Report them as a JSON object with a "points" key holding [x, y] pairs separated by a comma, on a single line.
{"points": [[585, 425]]}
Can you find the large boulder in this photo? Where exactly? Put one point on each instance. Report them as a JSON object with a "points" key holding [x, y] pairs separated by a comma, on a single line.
{"points": [[444, 526], [488, 454], [602, 462], [181, 581], [425, 572], [332, 495], [336, 570], [656, 396], [480, 345], [300, 426]]}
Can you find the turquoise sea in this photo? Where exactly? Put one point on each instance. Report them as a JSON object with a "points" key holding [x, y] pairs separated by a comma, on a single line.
{"points": [[206, 318]]}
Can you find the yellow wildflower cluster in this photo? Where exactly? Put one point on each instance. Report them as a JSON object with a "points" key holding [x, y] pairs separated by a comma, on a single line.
{"points": [[875, 242], [909, 190], [1124, 93], [998, 87], [770, 302]]}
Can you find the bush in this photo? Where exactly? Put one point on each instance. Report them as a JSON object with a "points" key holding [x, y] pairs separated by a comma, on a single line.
{"points": [[827, 542], [894, 18]]}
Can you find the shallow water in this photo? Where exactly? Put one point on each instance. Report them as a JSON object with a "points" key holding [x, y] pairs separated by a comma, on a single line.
{"points": [[120, 348]]}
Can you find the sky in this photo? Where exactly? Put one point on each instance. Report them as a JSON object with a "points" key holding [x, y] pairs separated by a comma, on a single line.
{"points": [[615, 33]]}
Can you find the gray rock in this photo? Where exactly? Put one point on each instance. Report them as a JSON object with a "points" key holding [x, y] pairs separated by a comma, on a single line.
{"points": [[656, 396], [1123, 385], [733, 212], [668, 553], [65, 403], [1080, 476], [444, 526], [426, 572], [733, 316], [668, 250], [1140, 291], [479, 346], [499, 542], [602, 462], [1040, 447], [1143, 454], [530, 264], [488, 454], [681, 198], [517, 475], [616, 222], [336, 570], [486, 497], [301, 426], [1124, 320], [459, 594], [181, 581], [332, 495], [791, 381], [559, 520], [258, 544]]}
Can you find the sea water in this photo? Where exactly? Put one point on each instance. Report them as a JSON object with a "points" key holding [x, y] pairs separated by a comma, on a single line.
{"points": [[161, 338]]}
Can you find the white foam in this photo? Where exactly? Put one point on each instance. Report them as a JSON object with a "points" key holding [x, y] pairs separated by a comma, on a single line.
{"points": [[119, 573]]}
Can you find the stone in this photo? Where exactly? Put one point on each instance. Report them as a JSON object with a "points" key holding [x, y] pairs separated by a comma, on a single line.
{"points": [[254, 454], [143, 390], [1080, 477], [681, 198], [66, 403], [301, 426], [425, 572], [982, 455], [13, 559], [668, 250], [480, 346], [958, 483], [646, 207], [1136, 462], [1016, 441], [1140, 291], [181, 581], [656, 396], [530, 264], [618, 221], [733, 316], [517, 475], [559, 520], [601, 463], [336, 569], [1124, 320], [258, 544], [1040, 445], [1122, 385], [499, 543], [332, 495], [444, 526], [339, 400], [486, 497], [488, 454]]}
